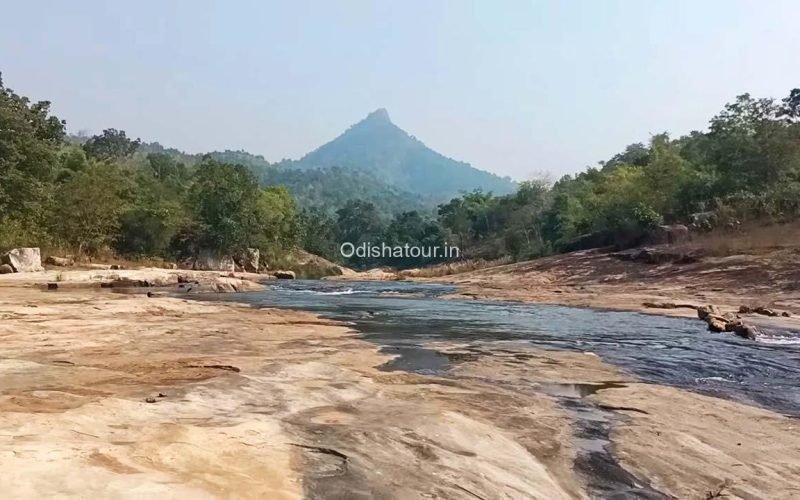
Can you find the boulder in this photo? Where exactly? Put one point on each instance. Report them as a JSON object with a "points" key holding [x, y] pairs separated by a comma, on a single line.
{"points": [[746, 331], [765, 311], [284, 275], [704, 221], [704, 311], [23, 260], [733, 325], [669, 234], [208, 260], [729, 316], [6, 269], [717, 323], [59, 261], [249, 260]]}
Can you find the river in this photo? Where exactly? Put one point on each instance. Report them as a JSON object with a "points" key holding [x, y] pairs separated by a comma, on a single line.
{"points": [[402, 317]]}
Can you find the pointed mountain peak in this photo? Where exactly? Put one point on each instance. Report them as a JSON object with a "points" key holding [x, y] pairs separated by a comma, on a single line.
{"points": [[378, 116]]}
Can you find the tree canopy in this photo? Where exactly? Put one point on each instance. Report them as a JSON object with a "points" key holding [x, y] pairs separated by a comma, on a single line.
{"points": [[111, 193]]}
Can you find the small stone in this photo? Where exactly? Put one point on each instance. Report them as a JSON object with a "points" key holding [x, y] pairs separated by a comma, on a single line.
{"points": [[149, 399]]}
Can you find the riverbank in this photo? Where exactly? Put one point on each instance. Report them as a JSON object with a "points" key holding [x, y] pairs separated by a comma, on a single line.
{"points": [[124, 395], [597, 279]]}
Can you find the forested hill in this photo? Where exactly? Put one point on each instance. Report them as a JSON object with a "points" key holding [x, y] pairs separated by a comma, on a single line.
{"points": [[109, 192], [325, 189], [381, 148]]}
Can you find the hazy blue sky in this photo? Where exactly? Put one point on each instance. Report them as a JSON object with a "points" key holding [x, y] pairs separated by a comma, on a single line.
{"points": [[511, 87]]}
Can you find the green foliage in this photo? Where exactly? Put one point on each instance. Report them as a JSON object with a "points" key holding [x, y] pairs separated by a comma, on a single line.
{"points": [[29, 143], [155, 213], [111, 145], [87, 209], [331, 188], [277, 222], [224, 200], [319, 233], [149, 201], [413, 229]]}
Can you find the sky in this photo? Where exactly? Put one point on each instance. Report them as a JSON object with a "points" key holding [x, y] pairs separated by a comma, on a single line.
{"points": [[519, 88]]}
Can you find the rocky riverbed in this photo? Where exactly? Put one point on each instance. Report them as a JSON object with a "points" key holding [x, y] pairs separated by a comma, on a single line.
{"points": [[122, 395]]}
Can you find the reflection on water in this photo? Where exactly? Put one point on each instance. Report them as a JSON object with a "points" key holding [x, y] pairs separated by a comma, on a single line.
{"points": [[402, 316]]}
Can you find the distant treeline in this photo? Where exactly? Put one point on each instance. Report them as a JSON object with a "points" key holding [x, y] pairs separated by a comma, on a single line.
{"points": [[745, 167], [111, 193]]}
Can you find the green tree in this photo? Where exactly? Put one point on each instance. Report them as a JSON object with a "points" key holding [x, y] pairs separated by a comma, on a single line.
{"points": [[29, 143], [87, 209], [111, 145], [224, 199]]}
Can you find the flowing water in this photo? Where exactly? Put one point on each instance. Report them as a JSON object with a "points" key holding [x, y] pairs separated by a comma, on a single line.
{"points": [[403, 317]]}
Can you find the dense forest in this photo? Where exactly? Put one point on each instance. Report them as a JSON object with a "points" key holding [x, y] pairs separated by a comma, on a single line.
{"points": [[111, 193]]}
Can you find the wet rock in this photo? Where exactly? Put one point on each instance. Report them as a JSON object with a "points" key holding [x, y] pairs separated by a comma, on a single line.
{"points": [[745, 309], [747, 331], [149, 399], [704, 311], [284, 275], [731, 326], [730, 317], [23, 260], [716, 323], [765, 311], [786, 314], [6, 269], [59, 261], [223, 285]]}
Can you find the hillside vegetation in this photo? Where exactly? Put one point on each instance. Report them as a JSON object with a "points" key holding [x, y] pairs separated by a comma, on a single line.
{"points": [[378, 146], [109, 192]]}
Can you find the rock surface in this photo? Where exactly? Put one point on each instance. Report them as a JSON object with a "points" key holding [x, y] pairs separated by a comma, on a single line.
{"points": [[669, 234], [249, 261], [657, 256], [284, 275], [23, 260], [208, 260], [59, 261], [285, 405]]}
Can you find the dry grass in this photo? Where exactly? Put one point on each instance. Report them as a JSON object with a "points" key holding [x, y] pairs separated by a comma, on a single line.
{"points": [[752, 239], [461, 266]]}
